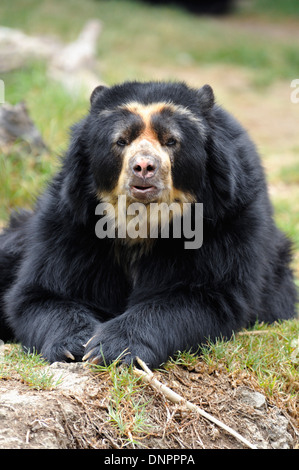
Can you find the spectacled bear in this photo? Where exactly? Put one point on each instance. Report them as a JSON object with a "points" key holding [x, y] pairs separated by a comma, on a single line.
{"points": [[71, 294]]}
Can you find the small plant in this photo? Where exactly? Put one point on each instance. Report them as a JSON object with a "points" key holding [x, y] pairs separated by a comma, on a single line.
{"points": [[127, 406], [29, 368], [186, 359]]}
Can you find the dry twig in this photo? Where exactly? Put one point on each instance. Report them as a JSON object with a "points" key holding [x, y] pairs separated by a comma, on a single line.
{"points": [[174, 397], [253, 333]]}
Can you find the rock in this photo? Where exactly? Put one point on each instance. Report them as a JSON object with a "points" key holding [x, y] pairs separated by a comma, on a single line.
{"points": [[269, 431], [279, 437], [251, 398], [16, 125], [71, 377]]}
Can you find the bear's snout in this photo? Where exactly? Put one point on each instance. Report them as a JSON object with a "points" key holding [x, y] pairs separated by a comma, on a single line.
{"points": [[144, 166], [144, 177]]}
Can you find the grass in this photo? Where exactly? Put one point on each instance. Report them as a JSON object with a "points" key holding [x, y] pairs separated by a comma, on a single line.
{"points": [[288, 219], [270, 353], [290, 173], [23, 175], [28, 368], [159, 36], [127, 408], [16, 192], [289, 8]]}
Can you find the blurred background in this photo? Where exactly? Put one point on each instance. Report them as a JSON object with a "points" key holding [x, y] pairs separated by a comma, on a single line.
{"points": [[54, 52]]}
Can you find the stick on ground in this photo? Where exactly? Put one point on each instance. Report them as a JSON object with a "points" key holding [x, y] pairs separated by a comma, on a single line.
{"points": [[174, 397]]}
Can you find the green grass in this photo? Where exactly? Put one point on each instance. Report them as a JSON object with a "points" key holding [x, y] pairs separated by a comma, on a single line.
{"points": [[136, 35], [287, 217], [21, 180], [28, 368], [23, 175], [51, 108], [290, 174], [274, 9], [127, 407], [271, 353]]}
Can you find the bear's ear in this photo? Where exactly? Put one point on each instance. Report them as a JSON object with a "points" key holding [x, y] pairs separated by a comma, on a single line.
{"points": [[206, 98], [96, 92]]}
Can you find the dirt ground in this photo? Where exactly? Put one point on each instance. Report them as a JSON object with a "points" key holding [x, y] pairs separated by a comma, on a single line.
{"points": [[75, 415]]}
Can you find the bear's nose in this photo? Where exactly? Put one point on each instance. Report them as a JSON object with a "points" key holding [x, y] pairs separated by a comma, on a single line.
{"points": [[144, 166]]}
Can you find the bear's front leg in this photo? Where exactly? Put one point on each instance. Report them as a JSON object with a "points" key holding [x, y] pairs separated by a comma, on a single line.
{"points": [[57, 329], [157, 329], [117, 339]]}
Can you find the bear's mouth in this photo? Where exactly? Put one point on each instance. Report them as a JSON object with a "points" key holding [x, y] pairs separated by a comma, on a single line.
{"points": [[144, 191]]}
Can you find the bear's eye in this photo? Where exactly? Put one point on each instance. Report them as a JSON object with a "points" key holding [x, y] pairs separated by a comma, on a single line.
{"points": [[171, 142], [121, 142]]}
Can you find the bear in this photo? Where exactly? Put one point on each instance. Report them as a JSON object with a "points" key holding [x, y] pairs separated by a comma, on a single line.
{"points": [[77, 285]]}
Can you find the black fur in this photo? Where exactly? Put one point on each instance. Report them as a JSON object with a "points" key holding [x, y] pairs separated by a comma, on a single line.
{"points": [[60, 285]]}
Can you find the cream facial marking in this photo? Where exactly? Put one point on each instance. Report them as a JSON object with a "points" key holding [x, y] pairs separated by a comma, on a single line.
{"points": [[147, 111]]}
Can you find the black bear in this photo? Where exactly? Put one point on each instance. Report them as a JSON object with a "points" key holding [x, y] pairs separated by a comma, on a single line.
{"points": [[77, 284]]}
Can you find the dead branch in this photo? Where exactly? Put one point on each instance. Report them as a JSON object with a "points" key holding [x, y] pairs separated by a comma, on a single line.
{"points": [[174, 397], [73, 64]]}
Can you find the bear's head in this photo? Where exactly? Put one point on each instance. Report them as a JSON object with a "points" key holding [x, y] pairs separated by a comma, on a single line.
{"points": [[147, 141]]}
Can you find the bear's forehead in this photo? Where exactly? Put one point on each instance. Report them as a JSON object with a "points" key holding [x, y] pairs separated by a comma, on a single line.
{"points": [[147, 111], [148, 117], [162, 110]]}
